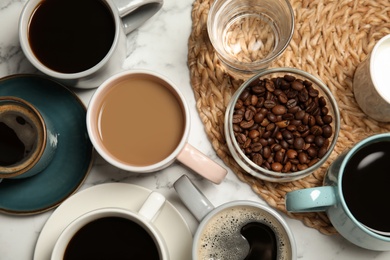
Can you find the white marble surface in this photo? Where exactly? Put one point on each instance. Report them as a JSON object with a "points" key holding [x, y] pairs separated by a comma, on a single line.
{"points": [[160, 45]]}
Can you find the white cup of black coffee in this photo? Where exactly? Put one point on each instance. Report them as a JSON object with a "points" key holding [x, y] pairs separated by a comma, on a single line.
{"points": [[28, 139], [114, 233], [80, 43]]}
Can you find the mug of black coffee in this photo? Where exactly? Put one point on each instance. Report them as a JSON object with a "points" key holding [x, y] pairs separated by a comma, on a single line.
{"points": [[28, 140], [355, 194], [236, 230], [80, 43], [114, 233]]}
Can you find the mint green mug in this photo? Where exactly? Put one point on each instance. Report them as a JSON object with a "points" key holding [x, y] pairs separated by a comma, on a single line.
{"points": [[355, 194]]}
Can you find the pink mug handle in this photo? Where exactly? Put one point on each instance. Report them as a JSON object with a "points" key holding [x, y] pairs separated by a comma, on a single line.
{"points": [[201, 164]]}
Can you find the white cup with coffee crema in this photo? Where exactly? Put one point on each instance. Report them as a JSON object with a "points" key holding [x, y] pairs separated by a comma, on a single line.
{"points": [[355, 194], [28, 140], [114, 233], [370, 82], [80, 43], [139, 122], [236, 230]]}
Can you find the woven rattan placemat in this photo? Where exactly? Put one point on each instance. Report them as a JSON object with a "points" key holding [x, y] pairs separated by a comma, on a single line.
{"points": [[331, 38]]}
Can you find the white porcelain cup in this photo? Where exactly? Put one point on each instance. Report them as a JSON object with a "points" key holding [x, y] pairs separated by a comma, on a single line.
{"points": [[371, 83], [139, 127], [127, 15], [235, 230], [144, 218]]}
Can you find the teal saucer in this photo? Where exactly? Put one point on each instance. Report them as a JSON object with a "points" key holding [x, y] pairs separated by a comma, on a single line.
{"points": [[73, 158]]}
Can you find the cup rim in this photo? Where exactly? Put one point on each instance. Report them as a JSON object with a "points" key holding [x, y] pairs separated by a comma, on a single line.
{"points": [[71, 229], [24, 21], [248, 164], [231, 204], [15, 171], [238, 65], [349, 154], [91, 127]]}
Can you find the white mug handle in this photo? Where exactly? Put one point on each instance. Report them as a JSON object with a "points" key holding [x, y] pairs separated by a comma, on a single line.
{"points": [[193, 198], [152, 206], [135, 12]]}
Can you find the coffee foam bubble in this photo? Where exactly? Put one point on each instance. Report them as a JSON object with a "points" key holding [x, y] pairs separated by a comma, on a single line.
{"points": [[221, 237]]}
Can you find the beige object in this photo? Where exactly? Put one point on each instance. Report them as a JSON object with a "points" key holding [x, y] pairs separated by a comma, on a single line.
{"points": [[331, 39]]}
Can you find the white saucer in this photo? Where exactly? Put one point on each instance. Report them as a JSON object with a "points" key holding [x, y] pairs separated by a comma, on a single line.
{"points": [[170, 223]]}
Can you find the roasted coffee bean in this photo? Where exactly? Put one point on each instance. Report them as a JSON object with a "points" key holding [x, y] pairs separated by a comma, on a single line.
{"points": [[279, 110], [303, 158], [287, 135], [266, 152], [260, 90], [327, 131], [312, 152], [297, 85], [327, 119], [322, 151], [291, 154], [254, 133], [282, 124], [316, 130], [299, 143], [291, 103], [293, 110], [272, 117], [289, 78], [249, 115], [247, 124], [256, 147], [287, 167], [257, 159], [241, 138], [237, 118], [259, 117], [279, 156], [269, 104], [236, 128], [277, 167], [322, 101], [319, 141], [282, 97]]}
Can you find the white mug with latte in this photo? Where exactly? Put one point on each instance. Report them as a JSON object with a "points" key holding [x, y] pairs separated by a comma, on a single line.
{"points": [[139, 122]]}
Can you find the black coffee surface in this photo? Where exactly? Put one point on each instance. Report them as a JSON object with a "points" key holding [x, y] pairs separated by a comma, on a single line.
{"points": [[262, 241], [71, 36], [111, 238], [11, 148], [366, 183]]}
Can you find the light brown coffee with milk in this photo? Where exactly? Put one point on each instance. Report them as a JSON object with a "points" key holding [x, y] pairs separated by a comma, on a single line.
{"points": [[140, 120]]}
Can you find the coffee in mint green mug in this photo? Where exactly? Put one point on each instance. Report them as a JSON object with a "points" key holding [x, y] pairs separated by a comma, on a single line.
{"points": [[355, 194]]}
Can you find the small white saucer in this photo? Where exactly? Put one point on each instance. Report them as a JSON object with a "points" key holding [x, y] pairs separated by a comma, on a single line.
{"points": [[169, 222]]}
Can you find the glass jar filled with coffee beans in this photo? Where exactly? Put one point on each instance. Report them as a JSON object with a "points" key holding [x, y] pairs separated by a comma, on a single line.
{"points": [[282, 124]]}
